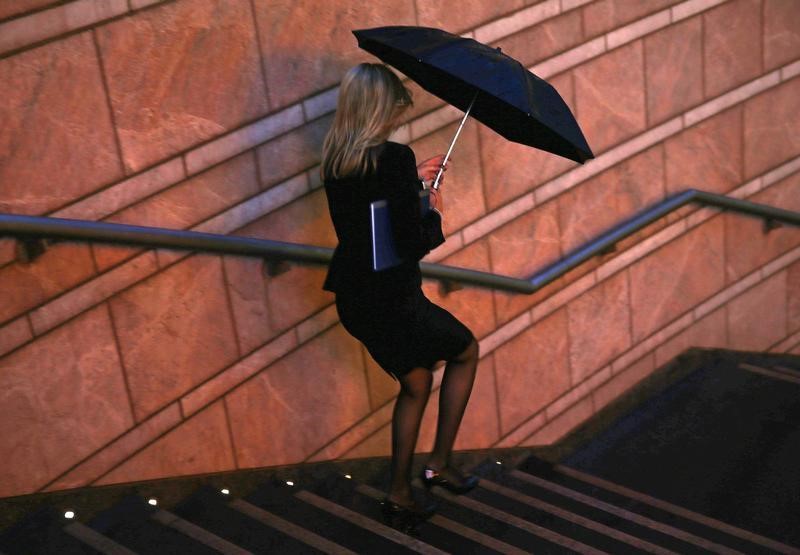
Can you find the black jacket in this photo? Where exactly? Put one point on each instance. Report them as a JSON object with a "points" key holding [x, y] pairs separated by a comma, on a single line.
{"points": [[415, 235]]}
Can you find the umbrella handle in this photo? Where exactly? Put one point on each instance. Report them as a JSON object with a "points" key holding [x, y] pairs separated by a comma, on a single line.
{"points": [[452, 143]]}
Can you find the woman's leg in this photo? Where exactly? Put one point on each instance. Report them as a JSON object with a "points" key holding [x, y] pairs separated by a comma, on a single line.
{"points": [[459, 375], [415, 388]]}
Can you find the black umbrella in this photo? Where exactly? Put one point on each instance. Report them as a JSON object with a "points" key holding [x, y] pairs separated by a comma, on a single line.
{"points": [[483, 82]]}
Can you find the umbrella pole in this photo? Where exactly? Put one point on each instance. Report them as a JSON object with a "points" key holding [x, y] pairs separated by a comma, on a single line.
{"points": [[452, 144]]}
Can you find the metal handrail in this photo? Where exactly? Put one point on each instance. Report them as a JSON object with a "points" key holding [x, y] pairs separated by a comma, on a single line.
{"points": [[36, 227]]}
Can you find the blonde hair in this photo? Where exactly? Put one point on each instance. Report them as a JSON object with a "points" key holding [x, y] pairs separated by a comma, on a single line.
{"points": [[371, 98]]}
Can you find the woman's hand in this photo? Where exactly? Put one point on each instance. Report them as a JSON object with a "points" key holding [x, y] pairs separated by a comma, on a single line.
{"points": [[437, 200], [428, 169]]}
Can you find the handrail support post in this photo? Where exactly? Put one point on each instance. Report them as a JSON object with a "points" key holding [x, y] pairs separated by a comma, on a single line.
{"points": [[29, 249], [274, 268]]}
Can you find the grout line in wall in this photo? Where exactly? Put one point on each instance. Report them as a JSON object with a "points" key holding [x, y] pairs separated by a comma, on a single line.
{"points": [[226, 287], [230, 433], [261, 64], [107, 93], [122, 366]]}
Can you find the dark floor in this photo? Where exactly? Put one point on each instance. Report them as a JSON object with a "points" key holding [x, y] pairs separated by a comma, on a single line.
{"points": [[723, 441]]}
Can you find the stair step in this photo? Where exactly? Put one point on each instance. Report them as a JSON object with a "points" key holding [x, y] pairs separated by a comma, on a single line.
{"points": [[210, 509], [283, 501], [131, 524], [42, 531], [690, 527]]}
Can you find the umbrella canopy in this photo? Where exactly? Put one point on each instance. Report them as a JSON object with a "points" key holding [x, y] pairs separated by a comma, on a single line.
{"points": [[492, 87]]}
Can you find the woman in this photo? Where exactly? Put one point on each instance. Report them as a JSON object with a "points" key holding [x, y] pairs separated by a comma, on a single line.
{"points": [[404, 332]]}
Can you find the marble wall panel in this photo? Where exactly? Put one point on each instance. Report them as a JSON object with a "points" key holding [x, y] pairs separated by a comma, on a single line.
{"points": [[19, 7], [296, 294], [199, 445], [247, 288], [608, 109], [382, 386], [473, 306], [299, 403], [293, 152], [185, 307], [511, 169], [458, 16], [604, 15], [624, 380], [599, 326], [26, 285], [378, 444], [179, 74], [307, 45], [61, 398], [781, 32], [462, 190], [793, 297], [610, 198], [519, 249], [532, 370], [757, 317], [56, 140], [674, 74], [746, 245], [707, 156], [772, 128], [186, 204], [676, 277], [731, 45], [544, 39], [708, 332]]}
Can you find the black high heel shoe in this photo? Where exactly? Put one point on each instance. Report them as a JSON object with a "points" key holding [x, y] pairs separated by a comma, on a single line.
{"points": [[431, 477], [405, 518]]}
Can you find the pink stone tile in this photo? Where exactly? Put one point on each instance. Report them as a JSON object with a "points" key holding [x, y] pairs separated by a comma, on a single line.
{"points": [[577, 393], [637, 29], [504, 333], [732, 98], [186, 306], [709, 332], [793, 296], [92, 292], [511, 169], [379, 444], [462, 190], [689, 8], [676, 277], [296, 294], [27, 285], [59, 20], [674, 70], [561, 425], [747, 246], [473, 306], [718, 139], [520, 249], [201, 444], [165, 98], [382, 387], [591, 345], [18, 7], [119, 450], [731, 45], [611, 110], [237, 373], [299, 403], [771, 128], [613, 196], [292, 152], [125, 193], [61, 398], [533, 16], [605, 15], [460, 15], [296, 38], [14, 334], [539, 42], [480, 427], [56, 141], [622, 382], [532, 370], [781, 39], [757, 318], [247, 289], [318, 323], [493, 220]]}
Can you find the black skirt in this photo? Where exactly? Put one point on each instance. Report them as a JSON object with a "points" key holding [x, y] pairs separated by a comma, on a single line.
{"points": [[405, 332]]}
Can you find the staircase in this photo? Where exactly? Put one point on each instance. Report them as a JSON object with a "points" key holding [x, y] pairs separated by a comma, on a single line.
{"points": [[707, 465]]}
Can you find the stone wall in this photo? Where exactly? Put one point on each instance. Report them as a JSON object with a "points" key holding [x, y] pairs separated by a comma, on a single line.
{"points": [[121, 364]]}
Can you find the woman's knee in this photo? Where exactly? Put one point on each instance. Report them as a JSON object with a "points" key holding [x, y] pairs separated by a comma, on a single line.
{"points": [[470, 353], [417, 382]]}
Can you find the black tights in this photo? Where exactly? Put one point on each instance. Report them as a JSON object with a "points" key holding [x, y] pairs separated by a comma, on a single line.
{"points": [[415, 388]]}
